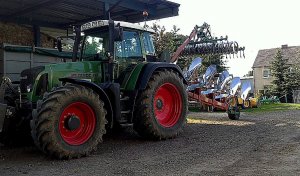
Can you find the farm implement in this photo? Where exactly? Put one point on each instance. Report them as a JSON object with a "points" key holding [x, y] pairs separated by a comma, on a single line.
{"points": [[216, 91]]}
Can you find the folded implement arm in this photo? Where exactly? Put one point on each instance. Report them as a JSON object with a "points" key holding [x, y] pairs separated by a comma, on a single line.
{"points": [[201, 42]]}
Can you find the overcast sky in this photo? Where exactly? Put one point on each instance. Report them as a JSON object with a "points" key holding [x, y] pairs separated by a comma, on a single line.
{"points": [[256, 24]]}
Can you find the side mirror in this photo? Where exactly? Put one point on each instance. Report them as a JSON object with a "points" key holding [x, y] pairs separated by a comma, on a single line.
{"points": [[59, 45], [118, 33]]}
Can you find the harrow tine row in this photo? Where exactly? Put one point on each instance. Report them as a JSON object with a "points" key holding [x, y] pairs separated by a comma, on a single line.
{"points": [[228, 48], [201, 42]]}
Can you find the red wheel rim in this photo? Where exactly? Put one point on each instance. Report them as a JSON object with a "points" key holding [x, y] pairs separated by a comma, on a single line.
{"points": [[167, 105], [86, 116]]}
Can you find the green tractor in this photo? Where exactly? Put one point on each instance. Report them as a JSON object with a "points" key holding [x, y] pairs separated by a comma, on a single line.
{"points": [[112, 81]]}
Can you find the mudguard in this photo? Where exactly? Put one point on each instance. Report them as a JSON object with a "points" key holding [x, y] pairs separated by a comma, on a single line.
{"points": [[150, 68], [99, 90]]}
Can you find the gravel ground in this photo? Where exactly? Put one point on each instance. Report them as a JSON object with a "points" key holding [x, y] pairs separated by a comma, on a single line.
{"points": [[258, 144]]}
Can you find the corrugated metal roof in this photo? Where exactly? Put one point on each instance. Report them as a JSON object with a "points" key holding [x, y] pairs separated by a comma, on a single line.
{"points": [[64, 13]]}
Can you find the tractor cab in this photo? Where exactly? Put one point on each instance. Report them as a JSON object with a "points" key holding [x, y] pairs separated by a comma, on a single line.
{"points": [[128, 41], [120, 44]]}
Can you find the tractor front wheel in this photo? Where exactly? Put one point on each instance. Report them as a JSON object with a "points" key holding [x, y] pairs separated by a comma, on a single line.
{"points": [[162, 107], [69, 122]]}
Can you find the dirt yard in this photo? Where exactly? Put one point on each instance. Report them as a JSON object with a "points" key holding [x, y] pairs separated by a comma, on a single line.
{"points": [[258, 144]]}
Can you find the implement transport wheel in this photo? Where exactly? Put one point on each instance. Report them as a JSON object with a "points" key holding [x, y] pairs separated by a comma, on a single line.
{"points": [[162, 107], [234, 113], [247, 104], [69, 122]]}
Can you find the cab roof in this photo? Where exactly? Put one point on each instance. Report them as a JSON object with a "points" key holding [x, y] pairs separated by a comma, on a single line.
{"points": [[102, 23]]}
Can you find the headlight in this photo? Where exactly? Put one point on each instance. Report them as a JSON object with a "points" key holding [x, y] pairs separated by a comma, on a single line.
{"points": [[29, 88]]}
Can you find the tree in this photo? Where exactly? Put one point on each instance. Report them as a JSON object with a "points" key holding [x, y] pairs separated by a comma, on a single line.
{"points": [[207, 60], [291, 77], [279, 68], [286, 78], [166, 41], [216, 59], [170, 41]]}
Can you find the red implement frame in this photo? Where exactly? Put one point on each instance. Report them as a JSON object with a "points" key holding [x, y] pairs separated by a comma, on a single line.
{"points": [[209, 100]]}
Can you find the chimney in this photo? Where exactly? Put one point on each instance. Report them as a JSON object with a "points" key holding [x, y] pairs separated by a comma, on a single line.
{"points": [[284, 46]]}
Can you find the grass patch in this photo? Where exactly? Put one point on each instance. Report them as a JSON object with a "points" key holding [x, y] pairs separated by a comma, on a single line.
{"points": [[264, 108], [273, 107]]}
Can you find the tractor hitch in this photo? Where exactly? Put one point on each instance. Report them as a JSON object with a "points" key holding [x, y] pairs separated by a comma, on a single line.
{"points": [[5, 110], [2, 89]]}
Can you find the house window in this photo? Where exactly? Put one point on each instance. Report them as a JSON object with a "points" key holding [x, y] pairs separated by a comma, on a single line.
{"points": [[266, 73]]}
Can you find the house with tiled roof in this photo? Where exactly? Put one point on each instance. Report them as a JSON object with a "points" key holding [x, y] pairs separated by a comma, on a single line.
{"points": [[261, 66]]}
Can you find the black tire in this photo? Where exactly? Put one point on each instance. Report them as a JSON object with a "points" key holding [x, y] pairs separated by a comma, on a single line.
{"points": [[234, 114], [48, 128], [16, 130], [246, 104], [163, 127], [16, 136]]}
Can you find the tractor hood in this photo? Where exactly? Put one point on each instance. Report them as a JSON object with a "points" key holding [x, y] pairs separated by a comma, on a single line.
{"points": [[36, 81]]}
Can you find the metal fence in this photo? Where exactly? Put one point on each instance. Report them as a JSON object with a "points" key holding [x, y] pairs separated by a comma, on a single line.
{"points": [[296, 96]]}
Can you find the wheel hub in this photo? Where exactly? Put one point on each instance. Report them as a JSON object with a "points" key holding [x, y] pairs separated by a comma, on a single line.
{"points": [[77, 123], [72, 122], [159, 104], [167, 105]]}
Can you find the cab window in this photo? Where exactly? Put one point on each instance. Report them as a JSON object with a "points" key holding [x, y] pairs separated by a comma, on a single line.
{"points": [[130, 47], [93, 45], [148, 43]]}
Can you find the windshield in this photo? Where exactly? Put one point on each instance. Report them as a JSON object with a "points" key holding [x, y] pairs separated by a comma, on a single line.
{"points": [[94, 45], [130, 47], [96, 42]]}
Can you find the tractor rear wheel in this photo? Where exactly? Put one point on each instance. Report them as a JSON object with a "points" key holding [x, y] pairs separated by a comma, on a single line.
{"points": [[162, 107], [69, 122]]}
